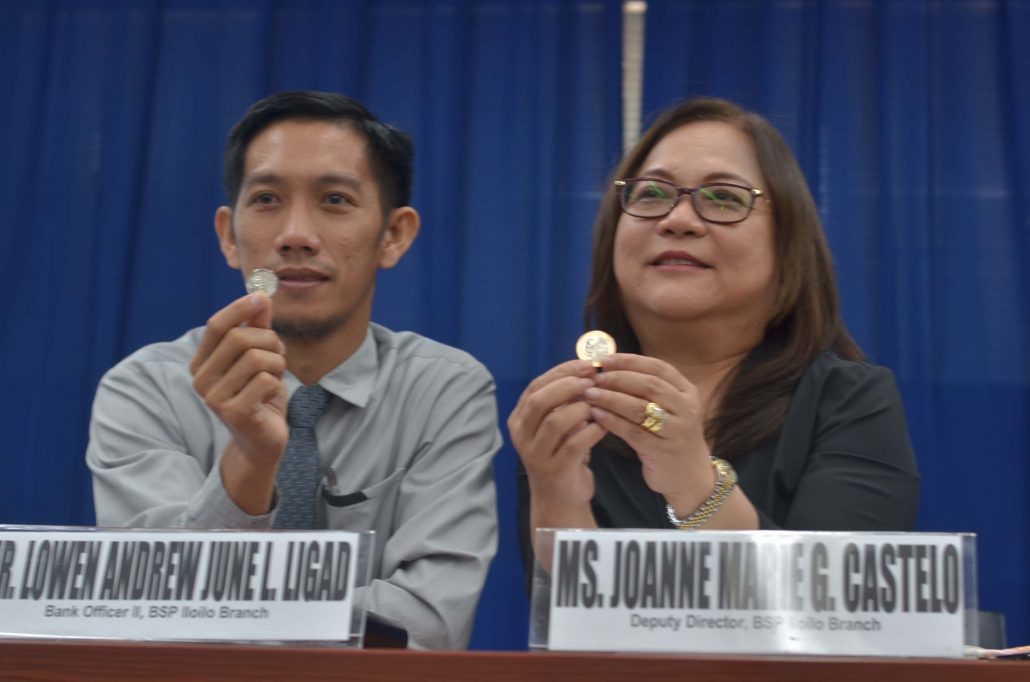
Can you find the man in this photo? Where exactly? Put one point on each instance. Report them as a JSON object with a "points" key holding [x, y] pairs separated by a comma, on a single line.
{"points": [[192, 433]]}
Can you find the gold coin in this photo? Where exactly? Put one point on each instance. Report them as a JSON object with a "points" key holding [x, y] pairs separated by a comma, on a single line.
{"points": [[594, 345], [262, 281]]}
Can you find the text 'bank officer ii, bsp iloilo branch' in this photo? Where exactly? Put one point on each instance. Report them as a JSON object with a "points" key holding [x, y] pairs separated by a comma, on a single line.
{"points": [[712, 273], [192, 433]]}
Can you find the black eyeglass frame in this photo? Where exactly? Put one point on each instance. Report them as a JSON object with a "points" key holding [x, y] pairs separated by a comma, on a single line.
{"points": [[753, 192]]}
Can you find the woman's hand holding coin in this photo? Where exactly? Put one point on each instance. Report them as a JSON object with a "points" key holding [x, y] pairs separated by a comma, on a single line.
{"points": [[650, 405], [553, 433]]}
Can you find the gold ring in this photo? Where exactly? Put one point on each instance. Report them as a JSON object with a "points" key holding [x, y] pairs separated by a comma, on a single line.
{"points": [[655, 417]]}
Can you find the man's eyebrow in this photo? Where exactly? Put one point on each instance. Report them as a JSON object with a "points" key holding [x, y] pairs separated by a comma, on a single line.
{"points": [[264, 179], [339, 179], [327, 179]]}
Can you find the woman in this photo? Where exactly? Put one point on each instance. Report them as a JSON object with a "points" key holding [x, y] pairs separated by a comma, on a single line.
{"points": [[712, 273]]}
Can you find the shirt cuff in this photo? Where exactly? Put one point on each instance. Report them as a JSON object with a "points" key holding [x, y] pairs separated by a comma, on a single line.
{"points": [[212, 508]]}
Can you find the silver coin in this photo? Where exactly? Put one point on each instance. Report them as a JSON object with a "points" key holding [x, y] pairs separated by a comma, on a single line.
{"points": [[262, 281]]}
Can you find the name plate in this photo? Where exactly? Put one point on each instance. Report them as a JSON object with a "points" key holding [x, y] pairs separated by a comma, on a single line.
{"points": [[182, 585], [770, 592]]}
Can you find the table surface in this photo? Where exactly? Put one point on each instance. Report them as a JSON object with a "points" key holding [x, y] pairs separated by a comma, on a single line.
{"points": [[79, 660]]}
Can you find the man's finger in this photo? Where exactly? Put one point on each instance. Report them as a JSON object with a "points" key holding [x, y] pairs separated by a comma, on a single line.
{"points": [[263, 312], [253, 309], [235, 344], [252, 362]]}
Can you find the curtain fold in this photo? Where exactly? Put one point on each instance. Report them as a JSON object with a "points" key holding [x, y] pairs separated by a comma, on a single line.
{"points": [[912, 123]]}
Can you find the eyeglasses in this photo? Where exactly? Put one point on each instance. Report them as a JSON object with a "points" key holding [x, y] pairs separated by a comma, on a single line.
{"points": [[715, 202]]}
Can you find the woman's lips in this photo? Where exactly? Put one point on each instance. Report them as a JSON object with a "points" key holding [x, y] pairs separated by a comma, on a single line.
{"points": [[678, 261]]}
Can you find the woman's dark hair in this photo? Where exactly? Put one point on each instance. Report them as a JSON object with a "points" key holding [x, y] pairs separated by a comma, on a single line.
{"points": [[390, 151], [805, 319]]}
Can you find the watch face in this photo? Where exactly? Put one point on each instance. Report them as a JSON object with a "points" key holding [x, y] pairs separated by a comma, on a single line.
{"points": [[594, 345], [726, 472]]}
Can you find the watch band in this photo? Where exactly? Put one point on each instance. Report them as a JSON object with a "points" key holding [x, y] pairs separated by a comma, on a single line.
{"points": [[725, 482]]}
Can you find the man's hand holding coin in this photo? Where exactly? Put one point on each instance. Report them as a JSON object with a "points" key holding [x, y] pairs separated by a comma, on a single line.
{"points": [[238, 371]]}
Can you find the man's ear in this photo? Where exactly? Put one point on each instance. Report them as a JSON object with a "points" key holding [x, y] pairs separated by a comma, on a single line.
{"points": [[226, 237], [401, 229]]}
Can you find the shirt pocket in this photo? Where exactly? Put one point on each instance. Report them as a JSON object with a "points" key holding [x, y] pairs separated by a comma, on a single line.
{"points": [[371, 508], [368, 509]]}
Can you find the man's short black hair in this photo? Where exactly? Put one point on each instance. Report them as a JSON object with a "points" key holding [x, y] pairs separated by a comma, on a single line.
{"points": [[390, 151]]}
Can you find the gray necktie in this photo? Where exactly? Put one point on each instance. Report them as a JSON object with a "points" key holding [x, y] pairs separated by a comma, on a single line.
{"points": [[298, 471]]}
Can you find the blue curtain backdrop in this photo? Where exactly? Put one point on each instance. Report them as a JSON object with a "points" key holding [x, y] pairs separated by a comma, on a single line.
{"points": [[910, 119], [114, 119], [912, 122]]}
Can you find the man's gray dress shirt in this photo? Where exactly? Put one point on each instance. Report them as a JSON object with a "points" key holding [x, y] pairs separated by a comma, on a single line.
{"points": [[406, 445]]}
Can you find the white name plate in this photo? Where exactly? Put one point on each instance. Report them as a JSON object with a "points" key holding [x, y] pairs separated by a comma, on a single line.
{"points": [[772, 592], [181, 585]]}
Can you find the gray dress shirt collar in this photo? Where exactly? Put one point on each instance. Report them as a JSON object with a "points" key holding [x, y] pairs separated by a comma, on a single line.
{"points": [[354, 379]]}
